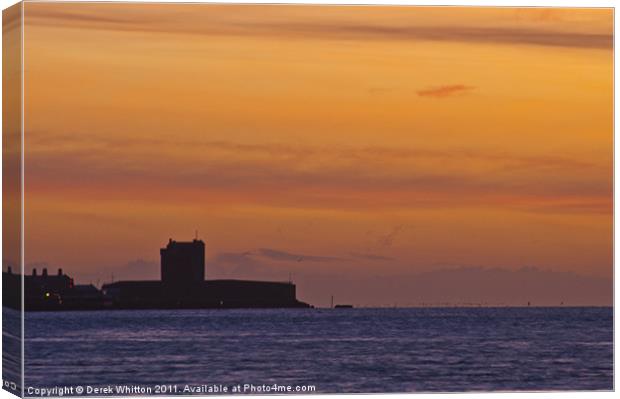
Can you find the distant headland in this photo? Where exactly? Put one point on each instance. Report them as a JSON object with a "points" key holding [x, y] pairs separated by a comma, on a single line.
{"points": [[182, 286]]}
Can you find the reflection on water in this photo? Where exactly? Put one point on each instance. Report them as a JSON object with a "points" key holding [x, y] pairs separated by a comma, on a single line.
{"points": [[348, 350]]}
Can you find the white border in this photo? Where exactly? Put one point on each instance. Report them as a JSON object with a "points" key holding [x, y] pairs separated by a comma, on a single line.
{"points": [[465, 3], [496, 3]]}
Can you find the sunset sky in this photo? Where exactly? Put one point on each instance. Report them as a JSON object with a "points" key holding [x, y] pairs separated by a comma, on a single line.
{"points": [[363, 150]]}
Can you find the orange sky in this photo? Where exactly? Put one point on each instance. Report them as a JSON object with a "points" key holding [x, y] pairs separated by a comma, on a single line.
{"points": [[339, 144]]}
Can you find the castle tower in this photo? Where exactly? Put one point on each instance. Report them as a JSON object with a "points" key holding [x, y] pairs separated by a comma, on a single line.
{"points": [[183, 264]]}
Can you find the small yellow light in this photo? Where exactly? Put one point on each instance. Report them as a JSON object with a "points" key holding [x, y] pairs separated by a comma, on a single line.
{"points": [[47, 294]]}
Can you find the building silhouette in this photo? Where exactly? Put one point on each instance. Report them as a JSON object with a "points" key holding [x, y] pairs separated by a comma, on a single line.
{"points": [[48, 291], [182, 264], [182, 285]]}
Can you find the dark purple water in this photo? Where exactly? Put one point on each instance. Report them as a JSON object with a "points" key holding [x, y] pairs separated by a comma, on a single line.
{"points": [[335, 350]]}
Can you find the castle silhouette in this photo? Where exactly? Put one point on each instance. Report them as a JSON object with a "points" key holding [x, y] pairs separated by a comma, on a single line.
{"points": [[182, 286]]}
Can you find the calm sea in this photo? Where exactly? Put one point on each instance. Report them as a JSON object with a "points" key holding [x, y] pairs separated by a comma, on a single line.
{"points": [[334, 350]]}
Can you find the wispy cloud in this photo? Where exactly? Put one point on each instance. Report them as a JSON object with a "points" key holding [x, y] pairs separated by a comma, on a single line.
{"points": [[317, 176], [255, 259], [278, 255], [468, 34], [445, 91], [372, 257], [177, 19]]}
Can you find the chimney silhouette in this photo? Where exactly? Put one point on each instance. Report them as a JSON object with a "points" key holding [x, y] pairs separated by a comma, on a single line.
{"points": [[60, 272], [34, 271], [44, 273]]}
